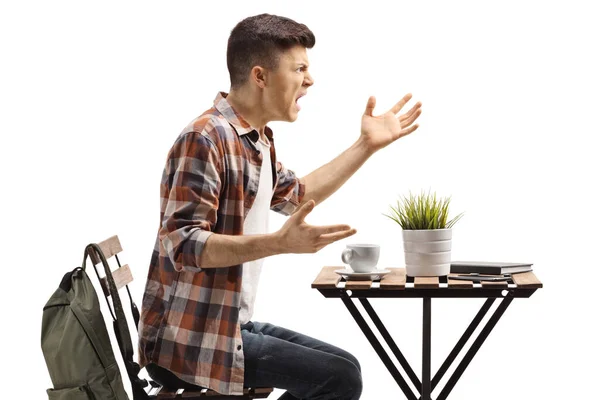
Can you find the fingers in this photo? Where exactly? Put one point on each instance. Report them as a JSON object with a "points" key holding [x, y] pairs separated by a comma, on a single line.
{"points": [[398, 106], [407, 131], [303, 211], [411, 112], [409, 121], [321, 230], [329, 238], [370, 106]]}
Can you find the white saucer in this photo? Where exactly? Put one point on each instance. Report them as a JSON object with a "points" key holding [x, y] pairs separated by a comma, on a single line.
{"points": [[371, 275]]}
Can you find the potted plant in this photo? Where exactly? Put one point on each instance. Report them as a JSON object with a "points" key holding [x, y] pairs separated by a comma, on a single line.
{"points": [[426, 233]]}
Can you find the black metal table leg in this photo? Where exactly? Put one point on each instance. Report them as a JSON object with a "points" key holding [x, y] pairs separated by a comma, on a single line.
{"points": [[390, 342], [461, 342], [377, 346], [475, 347], [427, 385], [426, 375]]}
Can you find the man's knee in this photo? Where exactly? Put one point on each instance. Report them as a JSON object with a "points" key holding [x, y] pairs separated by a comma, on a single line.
{"points": [[355, 385], [348, 379], [354, 361]]}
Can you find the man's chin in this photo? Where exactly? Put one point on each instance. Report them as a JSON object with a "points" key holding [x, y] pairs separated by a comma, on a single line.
{"points": [[293, 115], [290, 117]]}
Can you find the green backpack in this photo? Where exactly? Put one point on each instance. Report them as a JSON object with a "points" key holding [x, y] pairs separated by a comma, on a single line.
{"points": [[76, 344]]}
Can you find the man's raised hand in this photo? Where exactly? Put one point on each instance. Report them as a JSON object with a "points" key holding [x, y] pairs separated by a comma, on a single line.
{"points": [[379, 131]]}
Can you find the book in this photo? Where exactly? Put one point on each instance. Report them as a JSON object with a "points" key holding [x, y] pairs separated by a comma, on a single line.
{"points": [[488, 267]]}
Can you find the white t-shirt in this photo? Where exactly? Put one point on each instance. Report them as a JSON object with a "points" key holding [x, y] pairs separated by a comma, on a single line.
{"points": [[256, 223]]}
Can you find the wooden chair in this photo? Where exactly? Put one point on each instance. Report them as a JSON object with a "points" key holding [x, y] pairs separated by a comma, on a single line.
{"points": [[152, 390]]}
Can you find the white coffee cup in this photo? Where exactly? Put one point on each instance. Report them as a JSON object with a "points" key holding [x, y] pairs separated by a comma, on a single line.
{"points": [[361, 257]]}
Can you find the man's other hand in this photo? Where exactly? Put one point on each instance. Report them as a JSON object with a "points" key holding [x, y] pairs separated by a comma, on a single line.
{"points": [[296, 236]]}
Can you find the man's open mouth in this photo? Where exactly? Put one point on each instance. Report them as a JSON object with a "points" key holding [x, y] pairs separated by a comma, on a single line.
{"points": [[298, 98]]}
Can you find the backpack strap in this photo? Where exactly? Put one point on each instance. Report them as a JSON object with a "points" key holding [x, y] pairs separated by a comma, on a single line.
{"points": [[119, 324]]}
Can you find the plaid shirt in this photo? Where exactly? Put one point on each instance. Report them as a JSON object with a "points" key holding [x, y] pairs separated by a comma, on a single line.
{"points": [[189, 320]]}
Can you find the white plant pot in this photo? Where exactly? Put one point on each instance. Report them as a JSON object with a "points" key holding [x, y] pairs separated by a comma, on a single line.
{"points": [[427, 252]]}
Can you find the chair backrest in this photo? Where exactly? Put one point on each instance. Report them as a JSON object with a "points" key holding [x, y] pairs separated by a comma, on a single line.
{"points": [[111, 282], [122, 277]]}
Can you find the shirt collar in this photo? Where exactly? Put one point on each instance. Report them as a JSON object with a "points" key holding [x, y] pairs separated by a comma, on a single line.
{"points": [[242, 127]]}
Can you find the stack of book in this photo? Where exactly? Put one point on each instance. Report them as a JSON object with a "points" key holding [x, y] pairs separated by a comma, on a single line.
{"points": [[488, 267]]}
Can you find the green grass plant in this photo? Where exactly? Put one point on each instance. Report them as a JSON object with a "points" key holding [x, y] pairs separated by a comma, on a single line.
{"points": [[422, 212]]}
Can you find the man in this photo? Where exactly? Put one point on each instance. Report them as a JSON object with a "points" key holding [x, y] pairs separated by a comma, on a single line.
{"points": [[220, 180]]}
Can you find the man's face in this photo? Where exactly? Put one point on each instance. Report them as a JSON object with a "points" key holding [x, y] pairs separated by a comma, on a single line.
{"points": [[286, 84]]}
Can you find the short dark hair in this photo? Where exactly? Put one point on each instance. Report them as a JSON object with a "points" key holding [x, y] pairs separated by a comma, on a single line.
{"points": [[260, 40]]}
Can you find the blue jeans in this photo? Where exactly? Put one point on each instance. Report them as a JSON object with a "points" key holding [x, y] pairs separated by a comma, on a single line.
{"points": [[307, 368], [277, 357]]}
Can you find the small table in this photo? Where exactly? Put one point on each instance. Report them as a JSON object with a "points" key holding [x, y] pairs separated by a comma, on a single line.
{"points": [[397, 284]]}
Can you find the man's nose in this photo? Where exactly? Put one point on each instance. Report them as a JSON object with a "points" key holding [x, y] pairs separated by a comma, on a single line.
{"points": [[309, 81]]}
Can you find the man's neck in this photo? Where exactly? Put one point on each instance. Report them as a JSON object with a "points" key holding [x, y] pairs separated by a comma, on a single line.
{"points": [[249, 109]]}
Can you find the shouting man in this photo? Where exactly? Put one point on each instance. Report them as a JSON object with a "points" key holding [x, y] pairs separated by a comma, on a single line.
{"points": [[220, 180]]}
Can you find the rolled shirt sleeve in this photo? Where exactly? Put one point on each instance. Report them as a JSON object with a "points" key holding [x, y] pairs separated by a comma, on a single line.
{"points": [[289, 191], [192, 183]]}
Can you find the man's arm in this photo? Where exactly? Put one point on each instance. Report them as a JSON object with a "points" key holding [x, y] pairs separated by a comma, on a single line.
{"points": [[227, 250], [295, 236], [326, 180], [375, 134]]}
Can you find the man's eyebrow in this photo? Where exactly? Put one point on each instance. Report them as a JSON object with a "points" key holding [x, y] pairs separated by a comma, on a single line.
{"points": [[302, 63]]}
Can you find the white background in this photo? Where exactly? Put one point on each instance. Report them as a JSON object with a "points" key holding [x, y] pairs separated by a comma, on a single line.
{"points": [[94, 94]]}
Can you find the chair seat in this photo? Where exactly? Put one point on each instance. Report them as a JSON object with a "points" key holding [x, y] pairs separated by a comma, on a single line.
{"points": [[249, 393]]}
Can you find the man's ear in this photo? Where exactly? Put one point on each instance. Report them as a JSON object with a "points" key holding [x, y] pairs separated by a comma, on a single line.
{"points": [[258, 75]]}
